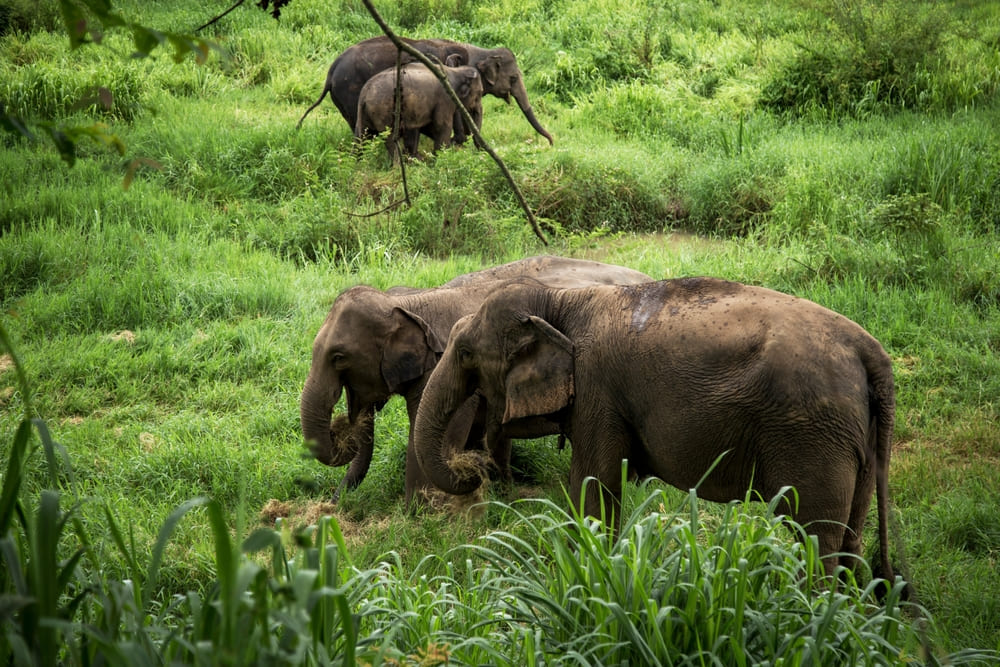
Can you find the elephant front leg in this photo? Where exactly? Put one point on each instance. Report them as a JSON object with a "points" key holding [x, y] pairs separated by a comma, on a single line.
{"points": [[595, 476]]}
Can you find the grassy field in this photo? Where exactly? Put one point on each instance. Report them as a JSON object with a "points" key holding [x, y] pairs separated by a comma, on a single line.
{"points": [[845, 152]]}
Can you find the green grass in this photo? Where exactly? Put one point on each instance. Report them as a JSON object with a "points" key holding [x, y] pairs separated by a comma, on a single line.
{"points": [[165, 329]]}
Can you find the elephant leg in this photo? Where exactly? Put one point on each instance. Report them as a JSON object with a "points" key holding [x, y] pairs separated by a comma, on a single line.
{"points": [[824, 511], [458, 127], [863, 491], [411, 142], [599, 455]]}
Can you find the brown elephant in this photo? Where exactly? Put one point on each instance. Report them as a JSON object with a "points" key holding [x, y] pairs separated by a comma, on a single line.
{"points": [[674, 376], [360, 62], [424, 105], [376, 344]]}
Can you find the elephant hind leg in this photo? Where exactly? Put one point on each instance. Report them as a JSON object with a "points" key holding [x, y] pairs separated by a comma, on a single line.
{"points": [[825, 510], [863, 491]]}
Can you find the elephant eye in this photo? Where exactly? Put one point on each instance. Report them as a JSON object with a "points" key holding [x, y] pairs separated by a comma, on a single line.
{"points": [[339, 360], [464, 356]]}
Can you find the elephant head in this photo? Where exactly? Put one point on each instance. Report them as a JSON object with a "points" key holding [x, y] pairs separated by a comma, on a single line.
{"points": [[370, 349], [502, 78], [523, 369]]}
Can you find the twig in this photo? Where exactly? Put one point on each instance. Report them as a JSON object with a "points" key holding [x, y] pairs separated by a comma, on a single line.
{"points": [[219, 17], [391, 206], [402, 46], [397, 111]]}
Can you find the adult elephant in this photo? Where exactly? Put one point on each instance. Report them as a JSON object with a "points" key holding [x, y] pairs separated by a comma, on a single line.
{"points": [[360, 62], [376, 344], [425, 105], [674, 376]]}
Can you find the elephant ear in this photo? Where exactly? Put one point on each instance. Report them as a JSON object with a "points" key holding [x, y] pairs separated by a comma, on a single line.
{"points": [[539, 377], [454, 60], [466, 79], [490, 69], [411, 349]]}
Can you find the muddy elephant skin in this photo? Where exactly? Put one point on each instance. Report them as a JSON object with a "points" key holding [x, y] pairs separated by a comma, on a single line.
{"points": [[676, 376]]}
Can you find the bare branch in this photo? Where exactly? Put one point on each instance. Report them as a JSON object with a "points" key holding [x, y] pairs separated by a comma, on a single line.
{"points": [[220, 16]]}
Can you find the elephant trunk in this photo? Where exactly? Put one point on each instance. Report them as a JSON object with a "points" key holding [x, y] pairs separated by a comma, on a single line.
{"points": [[439, 445], [521, 95], [340, 441]]}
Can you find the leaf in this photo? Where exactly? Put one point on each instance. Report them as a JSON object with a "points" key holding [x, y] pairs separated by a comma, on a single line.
{"points": [[75, 22], [145, 40], [133, 165]]}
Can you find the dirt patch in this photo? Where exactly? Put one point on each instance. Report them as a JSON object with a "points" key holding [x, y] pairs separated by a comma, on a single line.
{"points": [[125, 336], [300, 515], [6, 363]]}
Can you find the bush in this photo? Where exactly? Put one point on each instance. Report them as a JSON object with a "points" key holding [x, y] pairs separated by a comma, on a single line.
{"points": [[866, 56], [28, 16]]}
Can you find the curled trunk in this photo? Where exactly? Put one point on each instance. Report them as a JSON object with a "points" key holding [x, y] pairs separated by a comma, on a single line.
{"points": [[440, 433], [346, 439]]}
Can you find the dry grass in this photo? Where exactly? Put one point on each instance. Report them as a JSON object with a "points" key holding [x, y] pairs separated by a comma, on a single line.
{"points": [[345, 440]]}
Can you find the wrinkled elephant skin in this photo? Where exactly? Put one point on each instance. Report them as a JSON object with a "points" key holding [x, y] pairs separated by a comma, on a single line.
{"points": [[375, 344], [677, 376]]}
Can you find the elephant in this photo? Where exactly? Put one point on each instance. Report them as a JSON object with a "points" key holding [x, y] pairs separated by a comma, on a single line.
{"points": [[699, 382], [424, 105], [360, 62], [376, 344]]}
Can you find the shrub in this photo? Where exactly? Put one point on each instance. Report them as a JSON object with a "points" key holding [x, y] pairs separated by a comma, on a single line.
{"points": [[866, 56], [28, 16]]}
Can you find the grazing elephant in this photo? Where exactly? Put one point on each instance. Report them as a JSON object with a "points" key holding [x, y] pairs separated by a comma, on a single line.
{"points": [[376, 344], [360, 62], [424, 105], [672, 376]]}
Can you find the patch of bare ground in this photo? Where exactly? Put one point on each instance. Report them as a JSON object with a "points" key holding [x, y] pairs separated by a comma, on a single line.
{"points": [[300, 515]]}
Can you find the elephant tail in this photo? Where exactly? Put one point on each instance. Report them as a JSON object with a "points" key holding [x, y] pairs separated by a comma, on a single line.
{"points": [[326, 89], [883, 415]]}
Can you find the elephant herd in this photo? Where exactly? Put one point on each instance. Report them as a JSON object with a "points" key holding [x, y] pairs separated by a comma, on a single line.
{"points": [[700, 382], [362, 84]]}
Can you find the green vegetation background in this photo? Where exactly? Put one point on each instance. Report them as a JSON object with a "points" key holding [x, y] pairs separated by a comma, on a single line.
{"points": [[846, 152]]}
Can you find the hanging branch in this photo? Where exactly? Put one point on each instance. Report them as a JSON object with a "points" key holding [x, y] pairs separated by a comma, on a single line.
{"points": [[402, 46], [397, 122], [219, 17]]}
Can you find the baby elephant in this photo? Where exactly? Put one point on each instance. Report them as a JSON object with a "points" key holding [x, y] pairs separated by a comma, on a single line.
{"points": [[426, 105]]}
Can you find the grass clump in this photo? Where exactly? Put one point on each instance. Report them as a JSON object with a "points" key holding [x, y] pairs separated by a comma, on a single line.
{"points": [[865, 57]]}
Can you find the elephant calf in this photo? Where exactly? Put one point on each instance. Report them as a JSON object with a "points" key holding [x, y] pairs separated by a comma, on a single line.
{"points": [[676, 376], [425, 105]]}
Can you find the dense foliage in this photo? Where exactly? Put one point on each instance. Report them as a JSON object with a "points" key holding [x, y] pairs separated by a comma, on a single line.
{"points": [[157, 505]]}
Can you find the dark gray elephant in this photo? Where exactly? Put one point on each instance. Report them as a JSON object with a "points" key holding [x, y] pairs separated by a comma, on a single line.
{"points": [[424, 105], [376, 344], [672, 376], [360, 62]]}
